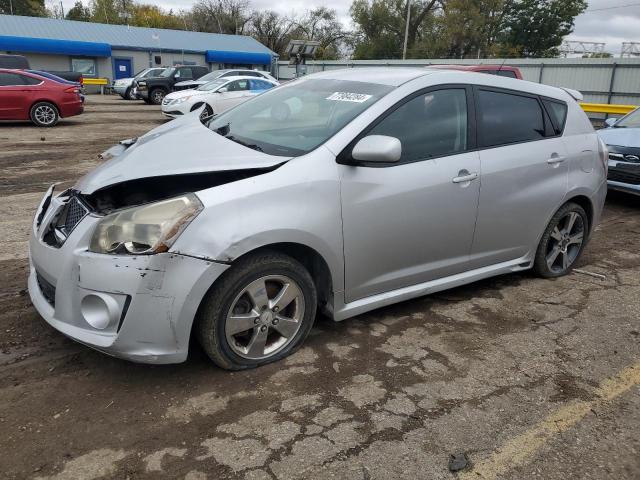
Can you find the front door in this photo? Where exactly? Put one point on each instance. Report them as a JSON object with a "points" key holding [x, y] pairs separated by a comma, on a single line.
{"points": [[235, 94], [411, 222], [123, 68]]}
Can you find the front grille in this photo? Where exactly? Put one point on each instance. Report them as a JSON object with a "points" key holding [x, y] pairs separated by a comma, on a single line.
{"points": [[174, 112], [74, 213], [624, 177], [48, 290]]}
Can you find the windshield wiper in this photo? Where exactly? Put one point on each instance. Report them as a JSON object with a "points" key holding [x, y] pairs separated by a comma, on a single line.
{"points": [[244, 144]]}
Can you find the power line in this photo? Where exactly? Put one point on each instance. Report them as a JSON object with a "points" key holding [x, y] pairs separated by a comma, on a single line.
{"points": [[612, 8]]}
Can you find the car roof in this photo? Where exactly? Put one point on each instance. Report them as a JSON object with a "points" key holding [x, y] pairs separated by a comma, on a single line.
{"points": [[243, 77], [397, 76], [474, 68]]}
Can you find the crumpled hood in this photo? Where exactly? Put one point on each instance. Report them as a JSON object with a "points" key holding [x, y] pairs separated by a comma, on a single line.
{"points": [[124, 80], [622, 137], [183, 146]]}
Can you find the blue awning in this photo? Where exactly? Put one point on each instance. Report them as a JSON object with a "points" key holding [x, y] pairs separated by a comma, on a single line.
{"points": [[240, 58], [59, 47]]}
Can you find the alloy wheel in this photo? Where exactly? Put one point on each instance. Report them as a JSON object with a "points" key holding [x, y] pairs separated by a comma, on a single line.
{"points": [[45, 114], [158, 96], [565, 242], [264, 317]]}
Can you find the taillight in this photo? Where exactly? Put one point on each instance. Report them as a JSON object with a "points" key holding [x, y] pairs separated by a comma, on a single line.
{"points": [[72, 90], [603, 153]]}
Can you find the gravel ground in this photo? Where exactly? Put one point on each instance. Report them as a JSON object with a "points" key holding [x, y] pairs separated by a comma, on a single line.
{"points": [[520, 377]]}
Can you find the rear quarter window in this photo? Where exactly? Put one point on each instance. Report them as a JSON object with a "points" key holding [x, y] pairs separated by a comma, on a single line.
{"points": [[558, 112]]}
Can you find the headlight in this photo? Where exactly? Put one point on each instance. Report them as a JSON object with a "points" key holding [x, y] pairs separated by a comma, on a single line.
{"points": [[146, 229], [178, 101]]}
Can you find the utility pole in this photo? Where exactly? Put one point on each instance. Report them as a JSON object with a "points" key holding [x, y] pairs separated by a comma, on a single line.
{"points": [[11, 7], [406, 30]]}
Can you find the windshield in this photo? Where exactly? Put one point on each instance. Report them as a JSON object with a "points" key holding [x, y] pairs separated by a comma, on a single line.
{"points": [[212, 85], [211, 75], [295, 119], [632, 120], [167, 72]]}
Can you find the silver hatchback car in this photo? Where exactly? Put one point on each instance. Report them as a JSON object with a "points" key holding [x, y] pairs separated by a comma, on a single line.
{"points": [[345, 191]]}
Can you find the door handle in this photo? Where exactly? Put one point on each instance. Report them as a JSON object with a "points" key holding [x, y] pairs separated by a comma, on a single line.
{"points": [[556, 159], [464, 176]]}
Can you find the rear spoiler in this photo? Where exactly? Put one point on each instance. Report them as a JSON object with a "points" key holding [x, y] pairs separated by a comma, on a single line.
{"points": [[574, 93]]}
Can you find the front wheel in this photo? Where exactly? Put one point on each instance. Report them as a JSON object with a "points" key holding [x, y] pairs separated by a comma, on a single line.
{"points": [[562, 242], [44, 114], [157, 95], [206, 112], [258, 312]]}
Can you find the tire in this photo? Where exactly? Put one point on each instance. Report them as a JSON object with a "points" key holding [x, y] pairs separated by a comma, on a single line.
{"points": [[130, 95], [157, 95], [563, 242], [44, 114], [206, 112], [226, 340]]}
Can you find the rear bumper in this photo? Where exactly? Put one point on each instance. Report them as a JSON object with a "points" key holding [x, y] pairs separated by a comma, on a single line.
{"points": [[72, 108], [139, 308]]}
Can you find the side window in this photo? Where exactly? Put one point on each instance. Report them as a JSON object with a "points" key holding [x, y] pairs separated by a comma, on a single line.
{"points": [[430, 125], [508, 118], [30, 80], [230, 74], [558, 113], [239, 85], [260, 85], [184, 74], [10, 79]]}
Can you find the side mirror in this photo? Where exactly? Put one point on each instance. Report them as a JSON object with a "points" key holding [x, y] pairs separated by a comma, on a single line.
{"points": [[377, 148], [610, 122], [223, 89]]}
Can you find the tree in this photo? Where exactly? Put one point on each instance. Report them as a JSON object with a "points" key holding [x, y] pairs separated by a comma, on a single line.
{"points": [[322, 24], [272, 30], [380, 26], [30, 8], [535, 28], [79, 12], [221, 16]]}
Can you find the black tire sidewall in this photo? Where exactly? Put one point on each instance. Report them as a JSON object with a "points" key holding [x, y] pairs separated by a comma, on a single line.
{"points": [[152, 96], [220, 300], [36, 122], [540, 262]]}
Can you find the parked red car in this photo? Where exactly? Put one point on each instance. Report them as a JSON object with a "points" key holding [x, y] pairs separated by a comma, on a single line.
{"points": [[27, 96], [501, 70]]}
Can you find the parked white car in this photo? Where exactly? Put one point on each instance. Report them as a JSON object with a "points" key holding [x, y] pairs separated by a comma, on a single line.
{"points": [[226, 73], [216, 96], [124, 86]]}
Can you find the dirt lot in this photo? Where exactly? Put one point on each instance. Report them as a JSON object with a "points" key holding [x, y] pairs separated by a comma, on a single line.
{"points": [[528, 378]]}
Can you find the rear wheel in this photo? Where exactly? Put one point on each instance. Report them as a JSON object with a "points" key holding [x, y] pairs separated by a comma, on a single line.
{"points": [[44, 114], [260, 311], [157, 95], [562, 242]]}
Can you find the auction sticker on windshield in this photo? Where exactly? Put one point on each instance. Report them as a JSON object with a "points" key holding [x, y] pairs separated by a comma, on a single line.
{"points": [[349, 97]]}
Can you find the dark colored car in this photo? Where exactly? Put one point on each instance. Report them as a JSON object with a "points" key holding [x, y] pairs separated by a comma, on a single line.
{"points": [[622, 137], [153, 89], [500, 70], [27, 96], [19, 62]]}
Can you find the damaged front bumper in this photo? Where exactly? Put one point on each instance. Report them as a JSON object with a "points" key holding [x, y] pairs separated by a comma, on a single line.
{"points": [[140, 308]]}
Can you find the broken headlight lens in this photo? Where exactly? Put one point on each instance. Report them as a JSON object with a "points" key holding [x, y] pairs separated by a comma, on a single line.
{"points": [[147, 229]]}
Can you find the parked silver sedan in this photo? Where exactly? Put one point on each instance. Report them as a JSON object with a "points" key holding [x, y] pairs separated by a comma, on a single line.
{"points": [[343, 191]]}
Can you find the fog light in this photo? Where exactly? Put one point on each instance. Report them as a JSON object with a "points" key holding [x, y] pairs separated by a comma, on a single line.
{"points": [[99, 311]]}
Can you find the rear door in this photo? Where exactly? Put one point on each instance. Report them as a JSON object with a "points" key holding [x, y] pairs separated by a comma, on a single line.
{"points": [[524, 174], [14, 96]]}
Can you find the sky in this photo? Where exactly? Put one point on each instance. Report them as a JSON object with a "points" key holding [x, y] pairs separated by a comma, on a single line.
{"points": [[608, 21]]}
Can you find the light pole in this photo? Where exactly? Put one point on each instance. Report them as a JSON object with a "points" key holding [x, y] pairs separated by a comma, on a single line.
{"points": [[406, 30]]}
